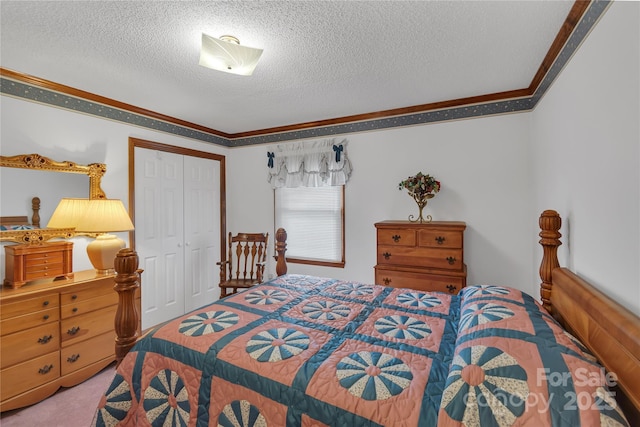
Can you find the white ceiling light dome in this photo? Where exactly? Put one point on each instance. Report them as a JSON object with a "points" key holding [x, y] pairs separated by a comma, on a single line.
{"points": [[226, 54]]}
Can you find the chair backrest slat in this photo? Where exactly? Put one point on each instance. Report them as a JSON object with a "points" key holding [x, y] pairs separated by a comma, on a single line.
{"points": [[246, 252]]}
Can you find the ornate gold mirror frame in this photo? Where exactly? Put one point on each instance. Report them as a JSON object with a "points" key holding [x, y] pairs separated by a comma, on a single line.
{"points": [[95, 172]]}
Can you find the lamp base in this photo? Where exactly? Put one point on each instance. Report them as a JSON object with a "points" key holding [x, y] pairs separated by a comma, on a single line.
{"points": [[102, 252]]}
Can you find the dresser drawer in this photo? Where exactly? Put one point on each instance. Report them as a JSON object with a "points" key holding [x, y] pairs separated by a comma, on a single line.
{"points": [[447, 259], [83, 306], [28, 344], [419, 281], [85, 326], [43, 258], [397, 237], [30, 374], [439, 239], [29, 321], [101, 287], [85, 353], [43, 271], [21, 306]]}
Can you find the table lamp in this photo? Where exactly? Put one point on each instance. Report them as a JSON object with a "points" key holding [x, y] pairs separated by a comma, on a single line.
{"points": [[95, 216]]}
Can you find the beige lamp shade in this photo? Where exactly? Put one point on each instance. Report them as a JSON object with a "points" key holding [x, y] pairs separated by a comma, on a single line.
{"points": [[104, 216], [226, 54], [68, 213], [98, 216]]}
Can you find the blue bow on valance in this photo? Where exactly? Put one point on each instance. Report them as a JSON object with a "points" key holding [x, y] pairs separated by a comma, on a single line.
{"points": [[270, 155], [338, 149]]}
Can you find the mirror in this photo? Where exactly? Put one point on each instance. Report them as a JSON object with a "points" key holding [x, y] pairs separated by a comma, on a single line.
{"points": [[36, 162]]}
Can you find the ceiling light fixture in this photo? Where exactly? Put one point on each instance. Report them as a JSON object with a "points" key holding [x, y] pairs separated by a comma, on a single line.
{"points": [[226, 54]]}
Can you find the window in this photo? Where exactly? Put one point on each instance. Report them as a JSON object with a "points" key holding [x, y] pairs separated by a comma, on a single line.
{"points": [[314, 220], [308, 178]]}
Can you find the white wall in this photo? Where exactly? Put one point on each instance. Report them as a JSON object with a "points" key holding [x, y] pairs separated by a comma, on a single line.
{"points": [[27, 127], [586, 157], [484, 169], [578, 153]]}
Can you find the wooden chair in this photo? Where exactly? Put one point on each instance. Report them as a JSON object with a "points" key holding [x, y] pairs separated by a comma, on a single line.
{"points": [[247, 256]]}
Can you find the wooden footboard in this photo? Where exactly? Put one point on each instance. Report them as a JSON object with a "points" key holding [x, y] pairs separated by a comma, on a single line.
{"points": [[128, 281], [127, 317]]}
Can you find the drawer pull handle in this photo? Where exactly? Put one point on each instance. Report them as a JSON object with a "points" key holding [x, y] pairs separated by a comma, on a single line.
{"points": [[396, 238], [46, 303], [452, 289], [386, 281], [73, 330], [440, 240], [45, 369], [451, 260], [73, 358], [74, 297], [386, 255], [45, 339], [45, 317], [75, 309]]}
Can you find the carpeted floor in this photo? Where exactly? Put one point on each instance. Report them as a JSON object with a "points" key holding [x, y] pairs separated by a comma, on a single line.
{"points": [[69, 407]]}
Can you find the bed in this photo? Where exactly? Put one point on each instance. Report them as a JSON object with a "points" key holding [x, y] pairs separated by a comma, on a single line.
{"points": [[25, 230], [310, 351], [22, 222]]}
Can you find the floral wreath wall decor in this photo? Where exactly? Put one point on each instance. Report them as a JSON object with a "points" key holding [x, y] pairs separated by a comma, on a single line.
{"points": [[421, 187]]}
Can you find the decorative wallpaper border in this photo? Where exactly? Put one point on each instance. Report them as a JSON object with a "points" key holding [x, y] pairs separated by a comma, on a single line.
{"points": [[49, 97]]}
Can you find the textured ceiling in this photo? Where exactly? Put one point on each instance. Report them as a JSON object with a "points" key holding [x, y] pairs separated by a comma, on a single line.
{"points": [[322, 59]]}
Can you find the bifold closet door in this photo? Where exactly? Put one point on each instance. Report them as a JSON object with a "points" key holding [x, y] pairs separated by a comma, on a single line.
{"points": [[177, 220], [159, 223], [201, 231]]}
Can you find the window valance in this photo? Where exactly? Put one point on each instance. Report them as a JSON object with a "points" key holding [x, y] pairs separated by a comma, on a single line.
{"points": [[309, 164]]}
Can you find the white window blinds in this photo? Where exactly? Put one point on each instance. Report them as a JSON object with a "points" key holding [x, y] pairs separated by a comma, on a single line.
{"points": [[313, 220]]}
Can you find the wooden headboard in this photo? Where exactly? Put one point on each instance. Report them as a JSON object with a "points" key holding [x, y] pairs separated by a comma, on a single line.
{"points": [[609, 331]]}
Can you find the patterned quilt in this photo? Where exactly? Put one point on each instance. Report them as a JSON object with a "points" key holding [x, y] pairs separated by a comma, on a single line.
{"points": [[309, 351]]}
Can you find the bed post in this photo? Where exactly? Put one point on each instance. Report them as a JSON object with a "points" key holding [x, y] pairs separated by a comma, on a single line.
{"points": [[35, 207], [550, 223], [281, 248], [127, 318]]}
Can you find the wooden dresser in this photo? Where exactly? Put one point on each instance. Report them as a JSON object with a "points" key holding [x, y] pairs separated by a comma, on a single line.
{"points": [[54, 334], [427, 256]]}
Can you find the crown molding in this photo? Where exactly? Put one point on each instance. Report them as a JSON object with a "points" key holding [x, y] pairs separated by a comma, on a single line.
{"points": [[579, 22]]}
